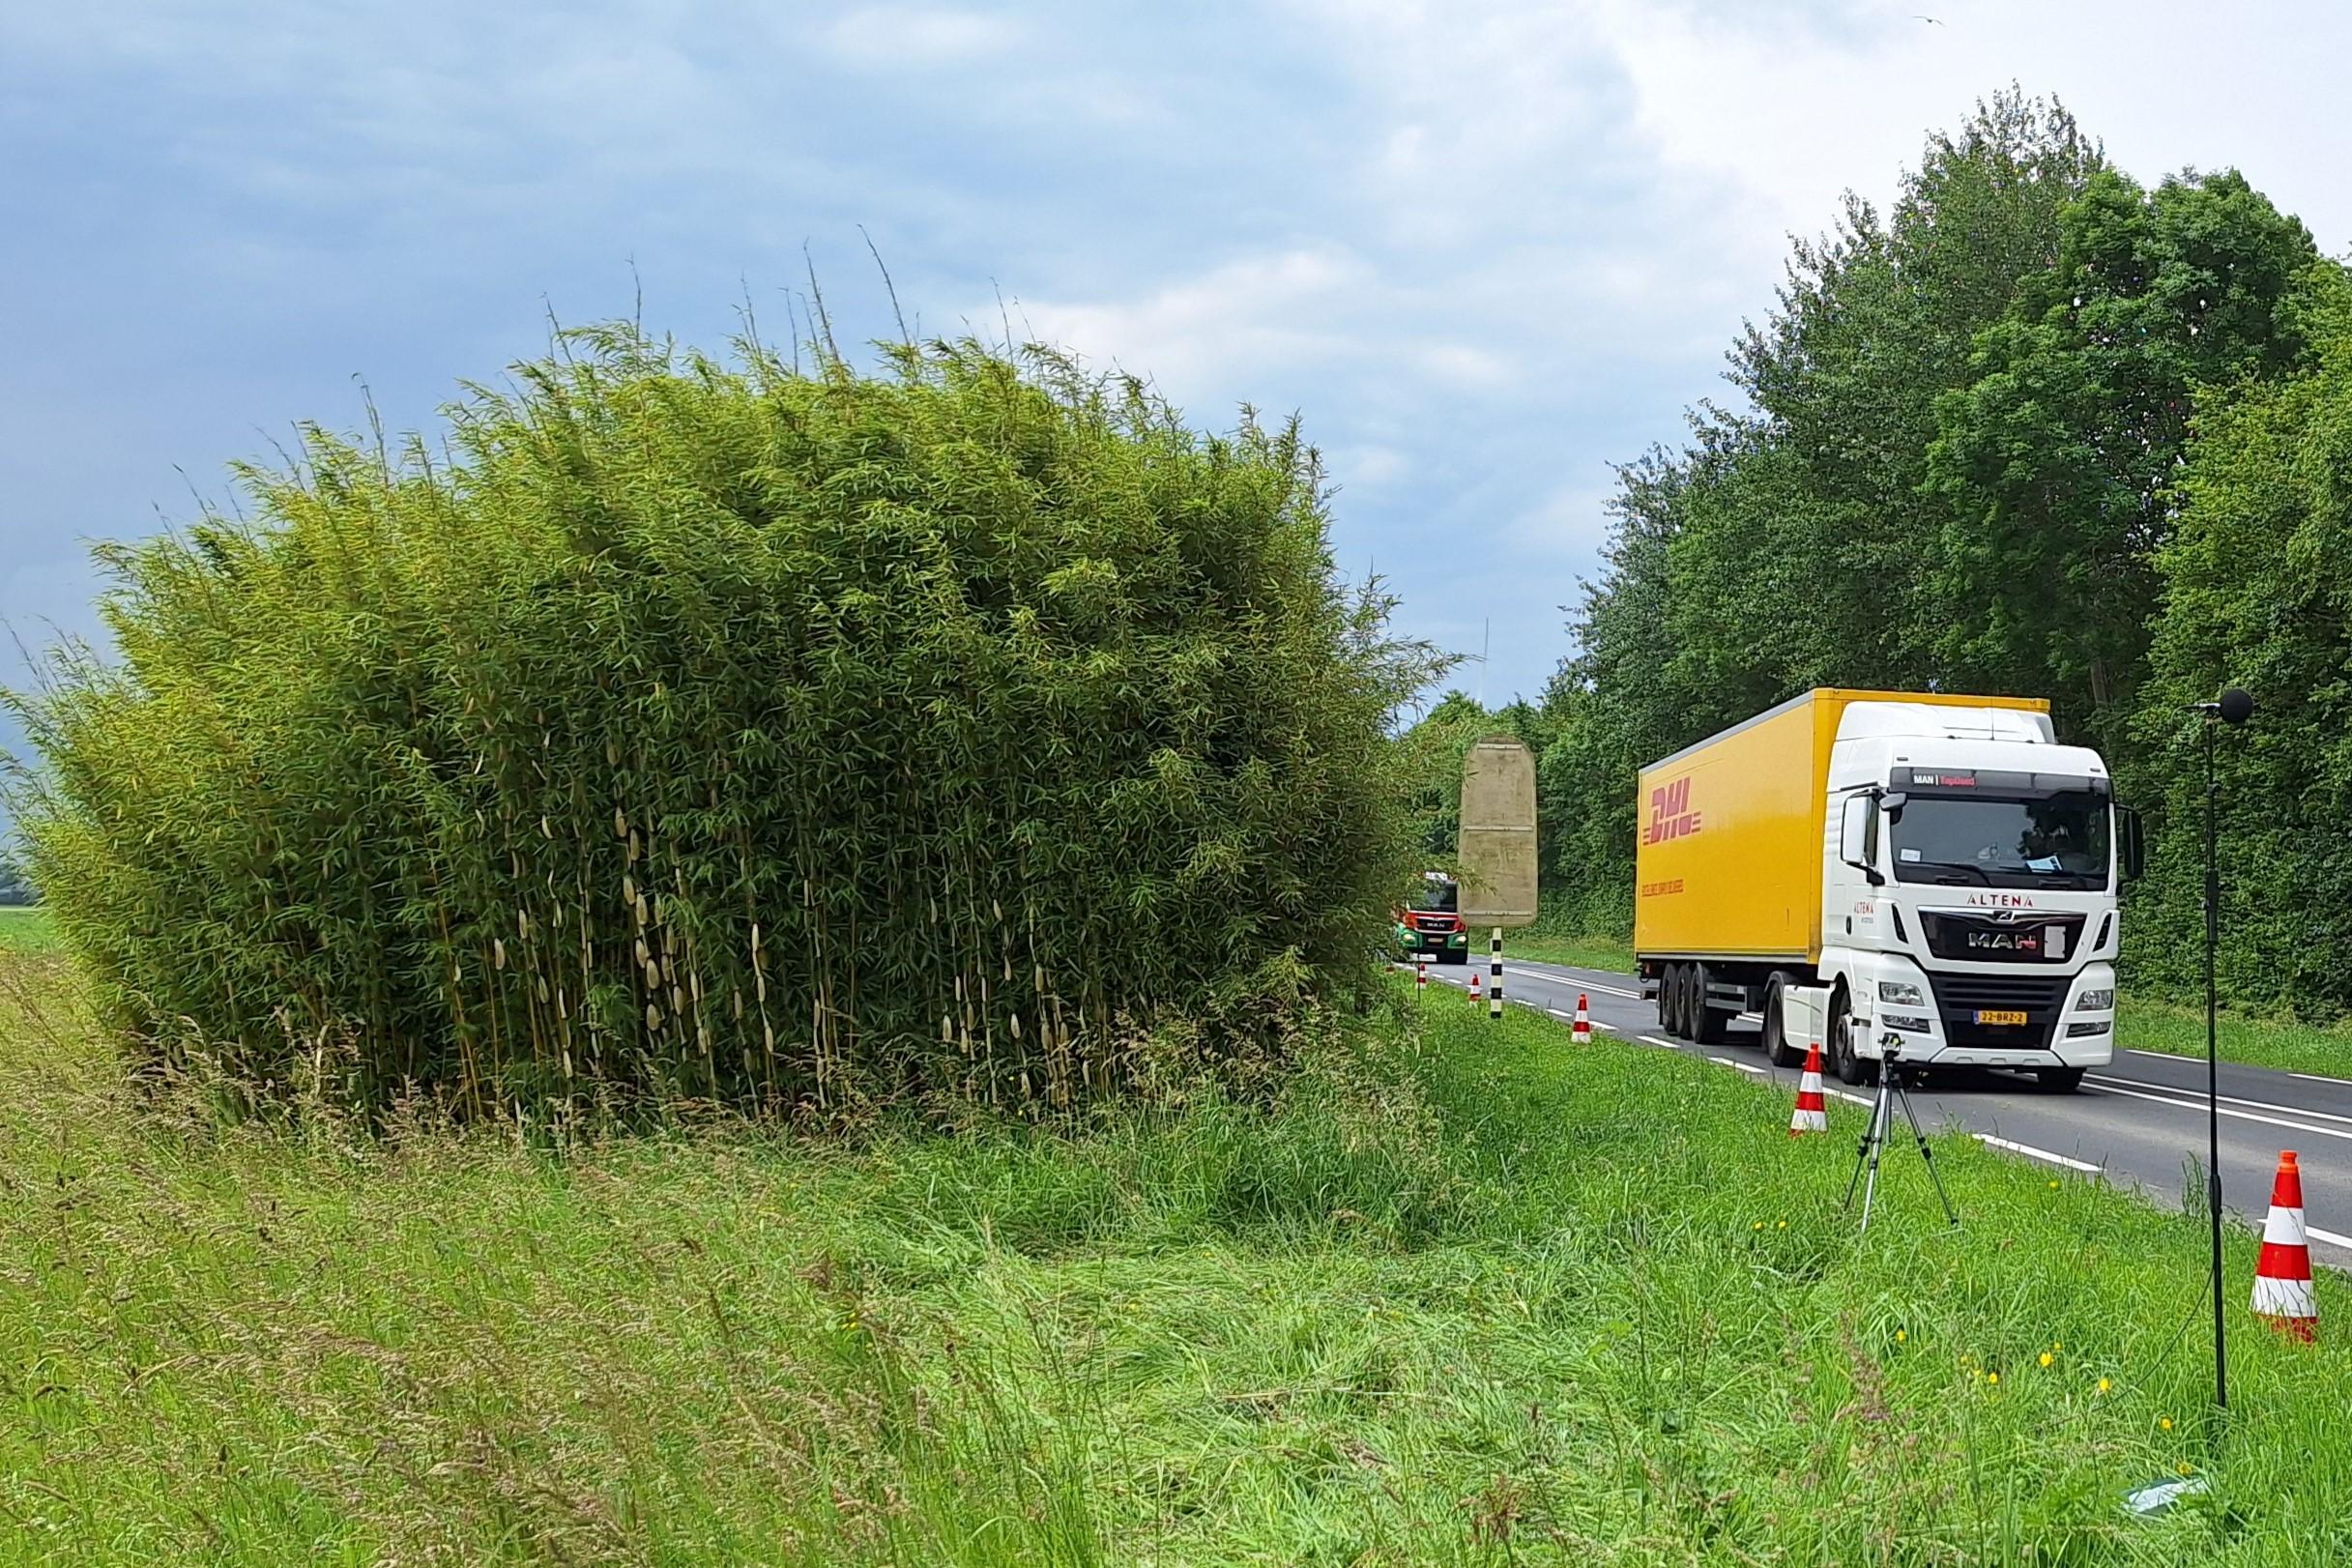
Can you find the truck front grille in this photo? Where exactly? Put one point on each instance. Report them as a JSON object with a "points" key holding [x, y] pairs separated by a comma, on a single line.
{"points": [[1983, 939], [1959, 997]]}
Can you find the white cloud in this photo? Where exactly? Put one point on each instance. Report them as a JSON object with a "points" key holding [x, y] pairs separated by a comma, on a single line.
{"points": [[899, 36]]}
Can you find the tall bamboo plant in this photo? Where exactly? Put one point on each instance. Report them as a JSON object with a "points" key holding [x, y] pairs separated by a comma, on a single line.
{"points": [[757, 731]]}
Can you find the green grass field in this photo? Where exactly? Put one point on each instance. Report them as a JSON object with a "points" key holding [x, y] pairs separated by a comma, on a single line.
{"points": [[2142, 1024], [1465, 1295], [26, 929]]}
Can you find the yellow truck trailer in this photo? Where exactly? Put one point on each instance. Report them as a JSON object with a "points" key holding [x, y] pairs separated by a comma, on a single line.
{"points": [[1869, 861]]}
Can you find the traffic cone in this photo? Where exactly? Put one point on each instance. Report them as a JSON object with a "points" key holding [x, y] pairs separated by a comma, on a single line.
{"points": [[2283, 1279], [1581, 1033], [1420, 972], [1812, 1114], [1473, 988]]}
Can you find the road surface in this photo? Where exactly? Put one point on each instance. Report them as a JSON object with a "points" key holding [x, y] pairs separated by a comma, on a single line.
{"points": [[2139, 1121]]}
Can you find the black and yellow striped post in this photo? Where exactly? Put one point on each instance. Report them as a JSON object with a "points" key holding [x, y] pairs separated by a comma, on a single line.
{"points": [[1495, 972]]}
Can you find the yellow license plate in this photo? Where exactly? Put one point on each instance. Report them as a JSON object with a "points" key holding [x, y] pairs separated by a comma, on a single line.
{"points": [[1998, 1015]]}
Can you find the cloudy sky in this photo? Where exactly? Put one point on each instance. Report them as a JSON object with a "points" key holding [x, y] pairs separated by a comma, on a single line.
{"points": [[1486, 249]]}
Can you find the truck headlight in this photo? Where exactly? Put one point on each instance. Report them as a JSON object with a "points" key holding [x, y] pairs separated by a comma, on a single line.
{"points": [[2096, 1001], [1903, 992]]}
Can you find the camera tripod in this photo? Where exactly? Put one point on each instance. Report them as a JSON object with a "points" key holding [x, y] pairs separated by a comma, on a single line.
{"points": [[1892, 1089]]}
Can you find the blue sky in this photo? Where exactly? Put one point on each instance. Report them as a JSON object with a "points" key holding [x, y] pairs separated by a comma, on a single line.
{"points": [[1487, 251]]}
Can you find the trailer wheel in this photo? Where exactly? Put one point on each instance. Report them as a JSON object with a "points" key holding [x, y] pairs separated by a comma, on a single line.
{"points": [[1670, 1000], [1707, 1023], [1777, 1049]]}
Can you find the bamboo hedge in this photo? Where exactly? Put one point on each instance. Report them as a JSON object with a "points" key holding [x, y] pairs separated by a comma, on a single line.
{"points": [[752, 730]]}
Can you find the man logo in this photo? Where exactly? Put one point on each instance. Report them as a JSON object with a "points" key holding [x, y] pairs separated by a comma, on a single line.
{"points": [[2005, 941], [1670, 813]]}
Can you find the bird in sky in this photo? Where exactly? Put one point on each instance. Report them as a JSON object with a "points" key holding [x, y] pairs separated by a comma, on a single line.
{"points": [[1932, 21]]}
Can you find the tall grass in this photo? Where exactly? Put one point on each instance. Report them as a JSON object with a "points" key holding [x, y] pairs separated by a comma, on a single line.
{"points": [[1457, 1292], [761, 732]]}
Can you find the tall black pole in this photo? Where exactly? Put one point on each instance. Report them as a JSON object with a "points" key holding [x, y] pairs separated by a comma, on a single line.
{"points": [[2212, 1073]]}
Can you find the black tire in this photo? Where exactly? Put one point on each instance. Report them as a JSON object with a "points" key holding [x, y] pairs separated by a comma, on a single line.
{"points": [[1707, 1023], [1851, 1067], [1670, 1002], [2060, 1080], [1777, 1050]]}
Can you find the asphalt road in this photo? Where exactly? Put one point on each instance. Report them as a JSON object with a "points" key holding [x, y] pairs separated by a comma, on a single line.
{"points": [[2139, 1122]]}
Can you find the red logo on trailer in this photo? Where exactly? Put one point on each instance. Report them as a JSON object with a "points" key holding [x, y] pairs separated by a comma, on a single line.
{"points": [[1670, 813]]}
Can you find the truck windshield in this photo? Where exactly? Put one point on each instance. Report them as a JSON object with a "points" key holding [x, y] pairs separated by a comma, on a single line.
{"points": [[1436, 897], [2056, 840]]}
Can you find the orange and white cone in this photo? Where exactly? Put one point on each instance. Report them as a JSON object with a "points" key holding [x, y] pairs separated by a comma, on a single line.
{"points": [[1812, 1112], [1420, 972], [2283, 1279], [1581, 1031], [1473, 988]]}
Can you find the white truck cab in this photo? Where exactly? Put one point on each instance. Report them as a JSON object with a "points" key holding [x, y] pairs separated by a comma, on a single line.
{"points": [[1969, 905]]}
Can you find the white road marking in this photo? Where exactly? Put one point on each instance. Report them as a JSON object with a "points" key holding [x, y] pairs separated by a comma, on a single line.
{"points": [[2143, 1051], [1652, 1039], [1743, 1066], [2331, 1237], [1858, 1099], [2227, 1099], [2033, 1154], [2317, 1078], [2241, 1115], [1580, 984]]}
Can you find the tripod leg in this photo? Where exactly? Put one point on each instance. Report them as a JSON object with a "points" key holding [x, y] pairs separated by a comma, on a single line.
{"points": [[1879, 1117], [1862, 1157], [1927, 1155]]}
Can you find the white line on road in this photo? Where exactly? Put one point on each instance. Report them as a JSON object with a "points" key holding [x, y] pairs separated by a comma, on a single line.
{"points": [[1652, 1039], [2143, 1051], [1858, 1099], [2226, 1099], [1743, 1066], [2317, 1077], [2241, 1115], [2332, 1237], [1580, 984], [2033, 1154]]}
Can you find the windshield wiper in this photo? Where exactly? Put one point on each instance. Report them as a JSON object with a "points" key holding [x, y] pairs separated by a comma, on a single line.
{"points": [[1977, 872]]}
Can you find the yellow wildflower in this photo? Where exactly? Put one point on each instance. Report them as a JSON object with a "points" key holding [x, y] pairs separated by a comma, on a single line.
{"points": [[2047, 1358], [2164, 1421], [2105, 1385]]}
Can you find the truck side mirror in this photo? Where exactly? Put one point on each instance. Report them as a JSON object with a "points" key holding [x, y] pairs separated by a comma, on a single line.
{"points": [[1858, 836], [2130, 846]]}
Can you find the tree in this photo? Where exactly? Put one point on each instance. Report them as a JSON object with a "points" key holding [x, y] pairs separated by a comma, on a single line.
{"points": [[2057, 458], [2255, 595]]}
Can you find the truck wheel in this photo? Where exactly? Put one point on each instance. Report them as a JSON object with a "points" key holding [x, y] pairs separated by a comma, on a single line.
{"points": [[1670, 1000], [2064, 1080], [1707, 1023], [1852, 1067], [1777, 1049]]}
